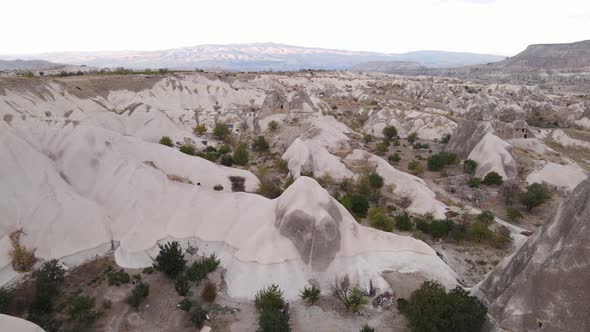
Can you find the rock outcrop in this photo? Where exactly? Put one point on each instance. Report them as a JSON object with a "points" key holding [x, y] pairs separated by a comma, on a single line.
{"points": [[544, 286]]}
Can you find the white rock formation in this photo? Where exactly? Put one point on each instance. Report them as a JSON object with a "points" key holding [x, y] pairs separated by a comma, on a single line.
{"points": [[493, 155], [567, 176], [15, 324], [423, 199]]}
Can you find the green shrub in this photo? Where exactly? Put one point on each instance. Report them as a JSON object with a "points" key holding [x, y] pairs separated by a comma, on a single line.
{"points": [[260, 144], [138, 294], [182, 285], [431, 308], [353, 298], [416, 167], [380, 219], [165, 140], [469, 166], [240, 156], [269, 189], [492, 178], [478, 231], [118, 278], [224, 149], [170, 259], [513, 215], [486, 217], [412, 138], [367, 328], [209, 292], [390, 132], [310, 294], [403, 222], [367, 138], [148, 270], [358, 204], [381, 148], [394, 158], [188, 149], [226, 160], [474, 182], [535, 195], [221, 130], [273, 320], [199, 129], [437, 162], [186, 304], [375, 180], [269, 298], [81, 310], [273, 125]]}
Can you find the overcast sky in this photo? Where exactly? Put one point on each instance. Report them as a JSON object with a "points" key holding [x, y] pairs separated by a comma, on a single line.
{"points": [[503, 27]]}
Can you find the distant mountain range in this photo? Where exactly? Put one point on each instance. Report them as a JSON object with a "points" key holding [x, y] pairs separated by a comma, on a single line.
{"points": [[8, 65], [255, 57]]}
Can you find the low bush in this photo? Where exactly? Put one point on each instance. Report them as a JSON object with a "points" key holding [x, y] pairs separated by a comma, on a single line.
{"points": [[493, 179], [379, 218], [200, 129], [437, 162], [6, 299], [269, 188], [118, 278], [182, 285], [273, 125], [367, 328], [469, 166], [185, 304], [431, 308], [513, 215], [165, 140], [188, 149], [260, 144], [535, 195], [198, 316], [486, 217], [403, 222], [221, 130], [352, 297], [269, 298], [240, 156], [416, 167], [421, 146], [394, 158], [357, 204], [390, 132], [412, 137], [474, 182], [226, 160], [81, 310]]}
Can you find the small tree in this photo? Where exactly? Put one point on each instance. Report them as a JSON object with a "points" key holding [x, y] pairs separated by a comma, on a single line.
{"points": [[509, 190], [182, 285], [486, 217], [260, 144], [367, 138], [403, 222], [138, 294], [352, 298], [221, 130], [535, 195], [367, 328], [513, 215], [273, 320], [359, 204], [390, 132], [240, 156], [170, 260], [165, 140], [209, 292], [412, 138], [493, 179], [200, 129], [375, 180], [474, 182], [469, 166], [310, 294], [81, 309], [269, 298]]}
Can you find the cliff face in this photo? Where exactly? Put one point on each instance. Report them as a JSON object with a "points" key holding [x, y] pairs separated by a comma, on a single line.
{"points": [[546, 284], [572, 56]]}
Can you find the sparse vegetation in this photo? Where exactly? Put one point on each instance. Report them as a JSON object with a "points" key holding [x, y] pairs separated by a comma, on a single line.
{"points": [[240, 156], [357, 204], [270, 306], [221, 131], [260, 144], [509, 190], [474, 182], [437, 162], [81, 310], [22, 258], [198, 316], [412, 137], [416, 167], [273, 125], [403, 222], [394, 158], [182, 285], [117, 278], [380, 219], [513, 215], [6, 299]]}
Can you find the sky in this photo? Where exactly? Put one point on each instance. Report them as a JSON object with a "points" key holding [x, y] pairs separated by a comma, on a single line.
{"points": [[502, 27]]}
